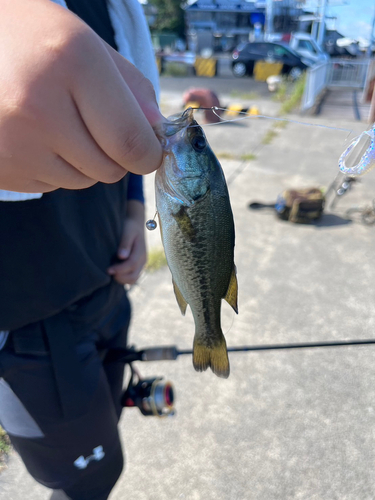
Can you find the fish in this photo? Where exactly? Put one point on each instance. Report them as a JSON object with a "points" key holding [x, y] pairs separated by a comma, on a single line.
{"points": [[198, 235]]}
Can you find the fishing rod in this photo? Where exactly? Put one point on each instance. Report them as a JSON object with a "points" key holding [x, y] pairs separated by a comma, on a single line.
{"points": [[171, 352], [155, 397]]}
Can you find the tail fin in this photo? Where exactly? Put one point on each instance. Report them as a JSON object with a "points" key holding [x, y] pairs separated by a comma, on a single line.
{"points": [[215, 357]]}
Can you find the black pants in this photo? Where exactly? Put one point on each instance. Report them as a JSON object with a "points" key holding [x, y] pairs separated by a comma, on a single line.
{"points": [[60, 399]]}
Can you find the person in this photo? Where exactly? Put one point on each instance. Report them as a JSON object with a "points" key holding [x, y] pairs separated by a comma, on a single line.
{"points": [[75, 117]]}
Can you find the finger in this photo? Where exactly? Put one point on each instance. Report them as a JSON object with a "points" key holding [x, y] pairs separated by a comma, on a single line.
{"points": [[78, 148], [124, 252], [47, 167], [125, 267], [65, 175], [111, 113], [26, 186], [140, 86], [128, 278]]}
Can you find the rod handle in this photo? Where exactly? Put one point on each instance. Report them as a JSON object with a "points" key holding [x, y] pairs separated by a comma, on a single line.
{"points": [[160, 353]]}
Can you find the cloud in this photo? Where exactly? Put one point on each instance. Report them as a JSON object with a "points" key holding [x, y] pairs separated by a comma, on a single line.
{"points": [[355, 29], [355, 18]]}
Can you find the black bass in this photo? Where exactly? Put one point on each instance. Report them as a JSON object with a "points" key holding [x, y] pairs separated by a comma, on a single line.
{"points": [[197, 231]]}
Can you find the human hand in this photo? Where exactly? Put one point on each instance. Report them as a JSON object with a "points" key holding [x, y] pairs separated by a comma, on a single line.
{"points": [[72, 111], [132, 250]]}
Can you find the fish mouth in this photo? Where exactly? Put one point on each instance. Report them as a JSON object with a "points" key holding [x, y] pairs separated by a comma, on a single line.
{"points": [[174, 124]]}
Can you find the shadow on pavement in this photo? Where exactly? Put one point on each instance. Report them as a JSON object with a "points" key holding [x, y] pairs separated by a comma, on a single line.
{"points": [[330, 220]]}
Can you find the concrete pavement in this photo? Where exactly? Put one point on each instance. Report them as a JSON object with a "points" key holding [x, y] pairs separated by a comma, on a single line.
{"points": [[286, 424]]}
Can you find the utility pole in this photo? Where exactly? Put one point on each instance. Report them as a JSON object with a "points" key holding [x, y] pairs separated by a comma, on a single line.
{"points": [[369, 50], [322, 27], [269, 18]]}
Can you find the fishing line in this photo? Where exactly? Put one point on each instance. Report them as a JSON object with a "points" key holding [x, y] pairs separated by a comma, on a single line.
{"points": [[247, 116]]}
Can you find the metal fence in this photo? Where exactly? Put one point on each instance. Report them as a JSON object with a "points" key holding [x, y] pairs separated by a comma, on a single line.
{"points": [[335, 73], [350, 74], [316, 81]]}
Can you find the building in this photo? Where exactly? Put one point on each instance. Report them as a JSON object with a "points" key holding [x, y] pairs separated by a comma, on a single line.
{"points": [[221, 25]]}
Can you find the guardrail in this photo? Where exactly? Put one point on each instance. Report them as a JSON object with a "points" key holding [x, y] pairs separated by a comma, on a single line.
{"points": [[335, 73]]}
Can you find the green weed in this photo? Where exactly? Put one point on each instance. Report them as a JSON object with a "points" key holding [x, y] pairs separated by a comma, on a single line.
{"points": [[269, 136], [156, 260], [244, 95], [5, 447], [248, 157], [295, 97], [281, 93], [224, 155], [175, 69], [281, 124]]}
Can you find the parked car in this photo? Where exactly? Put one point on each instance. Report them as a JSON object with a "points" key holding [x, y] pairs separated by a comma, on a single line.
{"points": [[245, 56], [305, 46]]}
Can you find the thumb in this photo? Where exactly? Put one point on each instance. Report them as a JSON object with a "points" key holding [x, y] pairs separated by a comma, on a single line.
{"points": [[125, 247]]}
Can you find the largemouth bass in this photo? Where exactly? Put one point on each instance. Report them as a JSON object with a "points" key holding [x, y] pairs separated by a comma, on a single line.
{"points": [[197, 231]]}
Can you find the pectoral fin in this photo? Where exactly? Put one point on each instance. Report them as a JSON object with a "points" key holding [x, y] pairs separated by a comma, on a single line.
{"points": [[184, 223], [180, 300], [232, 292]]}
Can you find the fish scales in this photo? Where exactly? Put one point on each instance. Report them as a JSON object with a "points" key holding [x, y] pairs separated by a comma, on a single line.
{"points": [[197, 266], [198, 236]]}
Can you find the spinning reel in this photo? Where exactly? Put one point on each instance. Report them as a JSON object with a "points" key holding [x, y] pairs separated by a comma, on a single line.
{"points": [[153, 396]]}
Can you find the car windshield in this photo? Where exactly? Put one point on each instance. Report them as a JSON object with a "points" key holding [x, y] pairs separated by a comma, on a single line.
{"points": [[306, 45]]}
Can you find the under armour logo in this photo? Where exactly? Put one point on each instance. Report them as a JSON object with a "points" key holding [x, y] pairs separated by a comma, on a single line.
{"points": [[97, 454]]}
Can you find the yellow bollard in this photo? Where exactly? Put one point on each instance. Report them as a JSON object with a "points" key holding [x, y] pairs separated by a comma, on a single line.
{"points": [[205, 67], [191, 104], [234, 109], [158, 64], [264, 69]]}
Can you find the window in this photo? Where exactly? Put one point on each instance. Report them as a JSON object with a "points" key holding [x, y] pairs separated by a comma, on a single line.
{"points": [[306, 45], [280, 51]]}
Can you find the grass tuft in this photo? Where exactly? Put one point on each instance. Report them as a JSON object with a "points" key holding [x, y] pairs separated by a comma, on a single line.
{"points": [[295, 97], [281, 124], [5, 447], [175, 69], [282, 91], [224, 155], [244, 95], [248, 157], [269, 136], [156, 260]]}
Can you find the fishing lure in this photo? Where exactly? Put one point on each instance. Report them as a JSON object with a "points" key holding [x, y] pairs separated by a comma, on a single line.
{"points": [[359, 156]]}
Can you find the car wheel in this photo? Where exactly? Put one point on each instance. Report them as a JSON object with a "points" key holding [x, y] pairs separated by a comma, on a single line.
{"points": [[239, 69], [295, 73]]}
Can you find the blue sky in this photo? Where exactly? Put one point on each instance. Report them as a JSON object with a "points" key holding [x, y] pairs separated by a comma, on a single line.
{"points": [[354, 17]]}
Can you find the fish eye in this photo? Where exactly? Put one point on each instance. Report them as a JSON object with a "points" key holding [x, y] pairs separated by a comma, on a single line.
{"points": [[198, 142]]}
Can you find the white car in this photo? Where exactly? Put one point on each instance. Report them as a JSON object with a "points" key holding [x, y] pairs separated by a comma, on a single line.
{"points": [[305, 45]]}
